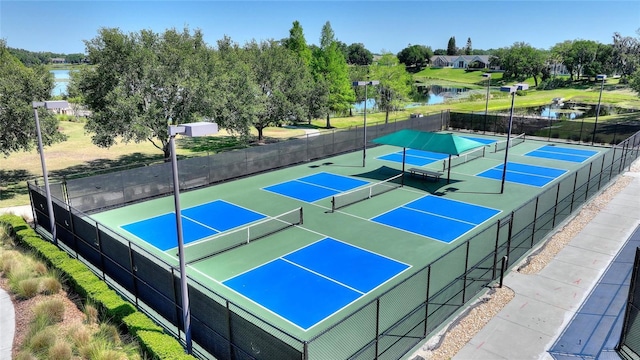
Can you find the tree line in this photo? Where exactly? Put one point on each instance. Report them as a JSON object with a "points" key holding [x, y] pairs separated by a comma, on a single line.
{"points": [[141, 82]]}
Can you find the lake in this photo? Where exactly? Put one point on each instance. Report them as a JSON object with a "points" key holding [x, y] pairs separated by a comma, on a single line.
{"points": [[61, 79], [429, 95]]}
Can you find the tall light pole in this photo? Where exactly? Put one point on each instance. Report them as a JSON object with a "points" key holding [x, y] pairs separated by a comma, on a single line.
{"points": [[511, 90], [47, 105], [191, 130], [595, 126], [365, 84], [486, 106]]}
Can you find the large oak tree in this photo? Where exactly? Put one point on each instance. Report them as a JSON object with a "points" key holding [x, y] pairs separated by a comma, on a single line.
{"points": [[19, 87]]}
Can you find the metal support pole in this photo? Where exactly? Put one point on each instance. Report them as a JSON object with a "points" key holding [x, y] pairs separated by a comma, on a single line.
{"points": [[52, 220], [364, 144], [506, 151], [595, 126], [186, 316]]}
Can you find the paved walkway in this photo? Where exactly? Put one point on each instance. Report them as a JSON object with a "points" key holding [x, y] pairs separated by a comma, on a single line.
{"points": [[546, 302]]}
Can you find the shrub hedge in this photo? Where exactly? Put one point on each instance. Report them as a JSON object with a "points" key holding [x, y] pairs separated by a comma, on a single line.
{"points": [[151, 337]]}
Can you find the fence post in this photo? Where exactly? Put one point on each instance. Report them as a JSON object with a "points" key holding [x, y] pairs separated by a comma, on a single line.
{"points": [[586, 193], [573, 193], [535, 218], [504, 266], [426, 302], [495, 251], [555, 208]]}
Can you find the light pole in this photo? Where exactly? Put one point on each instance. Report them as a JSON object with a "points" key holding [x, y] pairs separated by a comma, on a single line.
{"points": [[47, 105], [486, 106], [595, 126], [365, 84], [191, 130], [511, 90]]}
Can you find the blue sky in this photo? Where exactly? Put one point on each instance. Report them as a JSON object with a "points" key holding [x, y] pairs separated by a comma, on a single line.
{"points": [[61, 26]]}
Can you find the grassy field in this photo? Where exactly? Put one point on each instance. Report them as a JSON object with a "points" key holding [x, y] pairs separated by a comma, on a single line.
{"points": [[78, 154]]}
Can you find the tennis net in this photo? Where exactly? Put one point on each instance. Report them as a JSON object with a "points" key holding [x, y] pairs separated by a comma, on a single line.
{"points": [[226, 241], [364, 193], [501, 145], [464, 158]]}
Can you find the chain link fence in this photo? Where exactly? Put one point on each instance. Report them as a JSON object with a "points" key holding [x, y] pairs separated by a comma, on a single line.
{"points": [[385, 328]]}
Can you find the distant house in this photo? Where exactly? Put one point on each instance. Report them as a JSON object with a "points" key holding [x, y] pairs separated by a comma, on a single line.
{"points": [[58, 60], [461, 61]]}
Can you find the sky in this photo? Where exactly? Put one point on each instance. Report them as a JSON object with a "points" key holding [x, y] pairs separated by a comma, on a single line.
{"points": [[382, 26]]}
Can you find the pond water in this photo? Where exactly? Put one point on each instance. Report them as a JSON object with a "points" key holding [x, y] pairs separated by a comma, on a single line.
{"points": [[572, 111], [428, 95], [61, 79]]}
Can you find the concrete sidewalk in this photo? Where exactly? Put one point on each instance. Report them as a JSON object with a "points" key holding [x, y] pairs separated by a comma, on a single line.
{"points": [[545, 302]]}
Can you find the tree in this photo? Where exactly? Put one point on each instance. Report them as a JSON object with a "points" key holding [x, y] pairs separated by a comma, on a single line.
{"points": [[297, 43], [468, 49], [451, 46], [359, 55], [415, 56], [626, 54], [395, 83], [19, 87], [521, 61], [143, 82], [440, 52], [282, 81], [329, 65]]}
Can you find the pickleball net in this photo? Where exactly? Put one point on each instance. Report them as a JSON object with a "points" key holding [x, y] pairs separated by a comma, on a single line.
{"points": [[226, 241], [367, 192], [464, 158], [501, 145]]}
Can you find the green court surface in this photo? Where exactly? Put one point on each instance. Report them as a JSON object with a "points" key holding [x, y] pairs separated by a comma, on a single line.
{"points": [[352, 224]]}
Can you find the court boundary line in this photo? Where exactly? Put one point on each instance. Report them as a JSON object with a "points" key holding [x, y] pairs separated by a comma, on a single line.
{"points": [[429, 237], [556, 159], [281, 257], [438, 215], [518, 172]]}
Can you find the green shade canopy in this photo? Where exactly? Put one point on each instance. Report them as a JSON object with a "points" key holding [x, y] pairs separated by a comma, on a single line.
{"points": [[429, 141]]}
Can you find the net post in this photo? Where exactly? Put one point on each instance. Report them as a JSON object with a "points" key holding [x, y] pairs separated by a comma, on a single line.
{"points": [[333, 204], [301, 216]]}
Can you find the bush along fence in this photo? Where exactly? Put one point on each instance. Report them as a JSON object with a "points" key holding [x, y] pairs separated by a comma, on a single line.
{"points": [[385, 328], [156, 343]]}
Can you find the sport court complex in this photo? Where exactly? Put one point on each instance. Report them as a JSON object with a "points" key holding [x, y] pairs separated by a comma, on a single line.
{"points": [[330, 259]]}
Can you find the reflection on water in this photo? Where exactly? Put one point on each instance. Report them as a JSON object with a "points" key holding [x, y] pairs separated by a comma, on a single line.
{"points": [[572, 111], [427, 95]]}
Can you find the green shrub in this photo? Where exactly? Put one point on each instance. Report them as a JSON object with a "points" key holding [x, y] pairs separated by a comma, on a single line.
{"points": [[156, 343]]}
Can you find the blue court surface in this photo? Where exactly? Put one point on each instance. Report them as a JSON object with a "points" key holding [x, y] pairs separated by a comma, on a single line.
{"points": [[198, 222], [481, 140], [314, 282], [562, 153], [317, 186], [437, 218], [525, 174], [595, 329], [414, 157]]}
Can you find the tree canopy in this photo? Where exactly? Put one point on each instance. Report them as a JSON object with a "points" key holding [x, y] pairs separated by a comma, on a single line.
{"points": [[415, 56], [395, 83], [330, 66], [142, 82], [19, 87]]}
